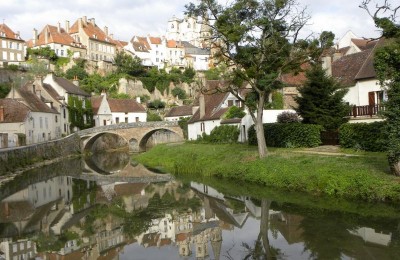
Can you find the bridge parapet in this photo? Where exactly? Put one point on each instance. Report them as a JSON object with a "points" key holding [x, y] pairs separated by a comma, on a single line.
{"points": [[105, 128]]}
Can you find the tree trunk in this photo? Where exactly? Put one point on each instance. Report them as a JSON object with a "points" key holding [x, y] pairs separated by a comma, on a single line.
{"points": [[262, 146], [264, 227]]}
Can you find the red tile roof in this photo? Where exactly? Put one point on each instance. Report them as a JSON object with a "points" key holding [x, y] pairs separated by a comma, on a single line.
{"points": [[54, 35], [364, 44], [8, 33], [96, 102], [174, 44], [92, 31], [155, 40], [14, 111], [292, 79], [125, 105], [143, 40], [213, 111]]}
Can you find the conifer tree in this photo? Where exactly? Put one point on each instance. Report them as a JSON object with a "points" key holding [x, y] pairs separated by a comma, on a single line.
{"points": [[321, 100]]}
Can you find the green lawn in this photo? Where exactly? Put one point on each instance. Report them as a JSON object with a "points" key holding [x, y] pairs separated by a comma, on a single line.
{"points": [[350, 175]]}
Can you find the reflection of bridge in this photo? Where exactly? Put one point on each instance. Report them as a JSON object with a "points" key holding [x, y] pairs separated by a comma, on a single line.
{"points": [[136, 135]]}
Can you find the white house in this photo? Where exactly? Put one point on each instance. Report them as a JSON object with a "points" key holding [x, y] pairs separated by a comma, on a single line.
{"points": [[24, 114], [176, 113], [353, 66], [140, 50], [196, 58], [108, 111]]}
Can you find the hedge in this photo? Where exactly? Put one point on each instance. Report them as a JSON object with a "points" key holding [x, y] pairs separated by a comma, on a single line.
{"points": [[364, 136], [289, 135]]}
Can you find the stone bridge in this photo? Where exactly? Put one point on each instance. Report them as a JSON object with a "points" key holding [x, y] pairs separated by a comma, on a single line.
{"points": [[136, 135]]}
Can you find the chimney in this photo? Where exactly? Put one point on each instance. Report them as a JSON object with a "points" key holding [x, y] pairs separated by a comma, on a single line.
{"points": [[92, 21], [327, 65], [58, 27], [337, 55], [35, 36], [202, 106], [46, 35], [85, 20], [106, 30], [67, 26], [1, 113], [76, 81]]}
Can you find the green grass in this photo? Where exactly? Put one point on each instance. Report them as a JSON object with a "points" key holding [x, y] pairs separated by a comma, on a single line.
{"points": [[361, 176]]}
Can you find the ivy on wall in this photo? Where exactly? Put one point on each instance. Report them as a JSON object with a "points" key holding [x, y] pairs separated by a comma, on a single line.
{"points": [[78, 112]]}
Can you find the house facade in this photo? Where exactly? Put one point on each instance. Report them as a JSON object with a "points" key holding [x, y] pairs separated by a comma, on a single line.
{"points": [[352, 65], [12, 47], [25, 114]]}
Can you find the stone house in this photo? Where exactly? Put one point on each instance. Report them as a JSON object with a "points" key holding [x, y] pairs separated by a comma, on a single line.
{"points": [[12, 47]]}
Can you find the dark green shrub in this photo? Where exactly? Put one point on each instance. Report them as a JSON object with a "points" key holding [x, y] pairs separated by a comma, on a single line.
{"points": [[364, 136], [12, 67], [153, 116], [179, 92], [156, 104], [222, 134], [289, 135], [288, 117]]}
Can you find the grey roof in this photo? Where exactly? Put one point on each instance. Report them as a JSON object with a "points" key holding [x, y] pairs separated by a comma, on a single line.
{"points": [[193, 50], [70, 87]]}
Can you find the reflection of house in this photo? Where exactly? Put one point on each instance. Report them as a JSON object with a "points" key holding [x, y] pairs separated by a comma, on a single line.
{"points": [[21, 249], [288, 225], [371, 236]]}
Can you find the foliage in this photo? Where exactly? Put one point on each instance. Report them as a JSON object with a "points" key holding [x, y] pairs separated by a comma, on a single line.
{"points": [[97, 84], [288, 117], [43, 53], [321, 100], [4, 89], [276, 101], [79, 110], [12, 67], [144, 98], [188, 75], [156, 104], [126, 64], [179, 92], [120, 96], [234, 112], [183, 124], [258, 40], [362, 177], [364, 136], [37, 68], [224, 134], [78, 70], [152, 116], [215, 73], [289, 135], [387, 64]]}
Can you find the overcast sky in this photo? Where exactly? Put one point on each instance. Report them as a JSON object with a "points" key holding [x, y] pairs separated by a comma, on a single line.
{"points": [[126, 18]]}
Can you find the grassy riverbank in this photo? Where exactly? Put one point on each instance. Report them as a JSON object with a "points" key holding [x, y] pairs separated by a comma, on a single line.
{"points": [[354, 176]]}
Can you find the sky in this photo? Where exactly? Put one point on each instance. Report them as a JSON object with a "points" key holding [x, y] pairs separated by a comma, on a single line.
{"points": [[126, 18]]}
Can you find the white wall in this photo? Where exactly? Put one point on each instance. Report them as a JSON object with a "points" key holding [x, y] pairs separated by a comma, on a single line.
{"points": [[358, 95], [131, 117], [194, 130]]}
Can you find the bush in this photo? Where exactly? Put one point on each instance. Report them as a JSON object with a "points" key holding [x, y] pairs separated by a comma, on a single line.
{"points": [[289, 135], [156, 104], [234, 112], [222, 134], [288, 117], [153, 117], [179, 92], [364, 136], [12, 67]]}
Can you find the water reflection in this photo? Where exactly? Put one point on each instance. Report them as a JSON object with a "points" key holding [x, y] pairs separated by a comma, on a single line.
{"points": [[77, 218]]}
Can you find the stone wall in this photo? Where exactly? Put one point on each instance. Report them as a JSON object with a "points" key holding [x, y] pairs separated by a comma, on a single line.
{"points": [[16, 158]]}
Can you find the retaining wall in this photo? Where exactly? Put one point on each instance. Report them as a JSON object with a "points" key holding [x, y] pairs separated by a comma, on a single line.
{"points": [[15, 158]]}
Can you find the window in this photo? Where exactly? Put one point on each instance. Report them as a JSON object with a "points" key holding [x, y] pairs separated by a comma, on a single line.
{"points": [[46, 123], [137, 119], [41, 122], [11, 45], [62, 52], [230, 103], [104, 122], [126, 120], [117, 120], [64, 113], [202, 128]]}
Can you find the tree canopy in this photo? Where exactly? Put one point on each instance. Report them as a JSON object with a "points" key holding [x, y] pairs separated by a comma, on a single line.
{"points": [[257, 41]]}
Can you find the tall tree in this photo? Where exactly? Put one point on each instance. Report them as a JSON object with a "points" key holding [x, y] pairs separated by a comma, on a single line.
{"points": [[128, 64], [387, 64], [257, 41], [321, 100]]}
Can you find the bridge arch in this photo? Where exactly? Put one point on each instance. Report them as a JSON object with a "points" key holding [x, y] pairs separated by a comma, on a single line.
{"points": [[169, 136], [88, 142]]}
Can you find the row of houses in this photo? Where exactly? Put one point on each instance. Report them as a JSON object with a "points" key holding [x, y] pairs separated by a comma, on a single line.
{"points": [[184, 46], [350, 62], [46, 109]]}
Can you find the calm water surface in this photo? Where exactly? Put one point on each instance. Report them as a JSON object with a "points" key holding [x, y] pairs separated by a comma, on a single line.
{"points": [[109, 207]]}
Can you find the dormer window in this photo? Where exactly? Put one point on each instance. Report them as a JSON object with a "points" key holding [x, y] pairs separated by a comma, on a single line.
{"points": [[172, 26]]}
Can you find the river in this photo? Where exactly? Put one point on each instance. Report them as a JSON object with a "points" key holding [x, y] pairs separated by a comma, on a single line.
{"points": [[110, 207]]}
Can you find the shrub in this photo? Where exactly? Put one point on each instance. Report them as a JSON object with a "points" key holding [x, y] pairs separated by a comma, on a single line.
{"points": [[222, 134], [153, 117], [234, 112], [288, 117], [12, 67], [289, 135], [364, 136], [156, 104], [179, 92]]}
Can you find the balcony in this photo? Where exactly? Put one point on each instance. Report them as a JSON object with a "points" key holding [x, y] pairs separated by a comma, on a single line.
{"points": [[364, 111]]}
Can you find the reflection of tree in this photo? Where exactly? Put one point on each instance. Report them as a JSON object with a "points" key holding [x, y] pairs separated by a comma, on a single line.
{"points": [[262, 248], [84, 193]]}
